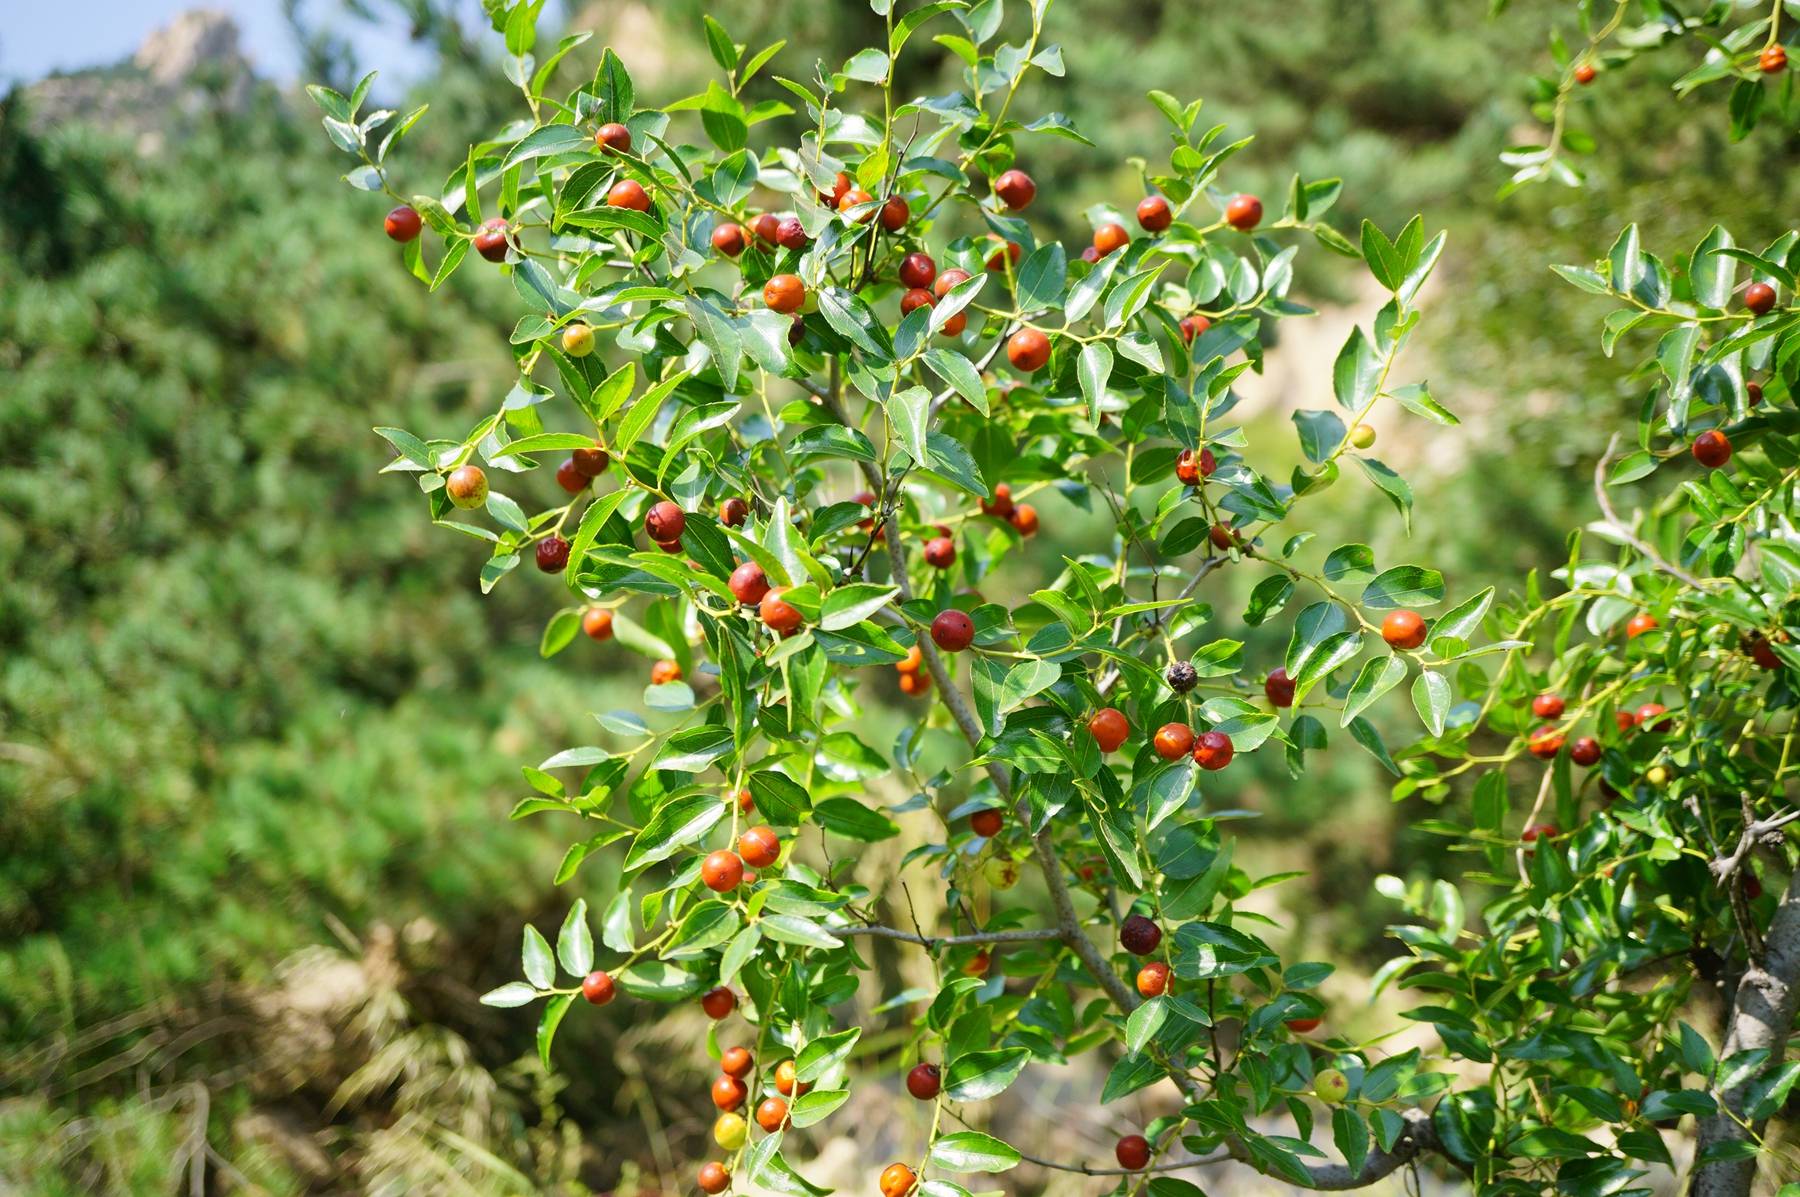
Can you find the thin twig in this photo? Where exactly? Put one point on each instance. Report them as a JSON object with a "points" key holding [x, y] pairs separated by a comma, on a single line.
{"points": [[1033, 935], [1618, 528]]}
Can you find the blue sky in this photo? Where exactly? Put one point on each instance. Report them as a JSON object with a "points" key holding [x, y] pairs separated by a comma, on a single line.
{"points": [[38, 37]]}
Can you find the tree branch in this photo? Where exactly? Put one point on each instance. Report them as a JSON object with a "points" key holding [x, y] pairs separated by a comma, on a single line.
{"points": [[1762, 1016], [934, 942], [1724, 866], [1618, 528]]}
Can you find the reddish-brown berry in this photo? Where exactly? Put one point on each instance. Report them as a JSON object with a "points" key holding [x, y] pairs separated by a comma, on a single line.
{"points": [[718, 1002], [1133, 1152], [915, 299], [1024, 519], [749, 583], [1173, 741], [737, 1062], [917, 270], [1584, 73], [1000, 504], [1153, 214], [570, 478], [552, 554], [722, 871], [924, 1081], [1213, 750], [940, 552], [403, 223], [1153, 979], [1547, 706], [1015, 189], [765, 227], [1638, 624], [760, 847], [613, 136], [784, 293], [729, 239], [779, 615], [1759, 298], [663, 672], [597, 987], [771, 1114], [467, 487], [986, 823], [491, 241], [597, 622], [897, 1180], [952, 631], [1109, 728], [1585, 751], [790, 233], [1109, 238], [713, 1178], [733, 512], [1773, 60], [628, 193], [1278, 688], [950, 278], [1545, 742], [1712, 449], [665, 521], [1403, 629], [728, 1092], [1028, 350], [895, 213], [1244, 213]]}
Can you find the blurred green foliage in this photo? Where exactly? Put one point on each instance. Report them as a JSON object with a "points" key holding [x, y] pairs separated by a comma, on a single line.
{"points": [[244, 691]]}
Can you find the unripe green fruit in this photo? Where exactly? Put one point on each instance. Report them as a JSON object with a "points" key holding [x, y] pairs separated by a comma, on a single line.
{"points": [[467, 487], [1002, 872], [1331, 1086], [730, 1131], [578, 340], [1362, 436]]}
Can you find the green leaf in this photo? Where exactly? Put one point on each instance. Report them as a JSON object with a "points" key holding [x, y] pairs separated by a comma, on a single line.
{"points": [[540, 966], [551, 139], [672, 828], [960, 373], [1404, 586], [972, 1151], [554, 1010], [810, 1108], [1357, 372], [575, 943], [1094, 369], [1351, 1134], [1431, 698], [792, 928], [854, 821], [509, 995], [1144, 1022], [849, 605], [1377, 676], [981, 1075], [1042, 277], [823, 1054]]}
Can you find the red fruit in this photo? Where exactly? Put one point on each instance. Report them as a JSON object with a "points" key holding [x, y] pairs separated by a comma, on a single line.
{"points": [[1223, 537], [1244, 213], [1025, 519], [1303, 1026], [894, 214], [1153, 214], [1772, 61], [1625, 719], [924, 1081], [665, 521], [1539, 831], [949, 279], [664, 672], [628, 193], [897, 1180], [997, 259], [1752, 887], [552, 554], [1649, 715], [1001, 504], [952, 631], [1585, 751], [1762, 652], [467, 487], [1403, 629], [1109, 728], [1194, 468], [1759, 298], [745, 800], [613, 136], [760, 847], [1015, 189], [733, 512], [597, 987], [403, 223], [765, 227], [1193, 326], [718, 1002], [1545, 743], [1213, 750], [729, 239], [914, 660], [1753, 392], [1173, 741], [784, 293], [1153, 979], [790, 233], [954, 326], [1584, 73], [940, 552], [915, 683], [597, 623], [1133, 1152], [840, 185], [856, 197], [978, 965], [491, 242], [1547, 706], [772, 1114], [785, 1081], [986, 823], [749, 583], [570, 478], [722, 871], [1089, 254], [917, 270], [728, 1093], [915, 299], [1712, 449], [591, 462], [1139, 936], [713, 1178], [781, 617], [1028, 350], [1278, 688], [737, 1061], [1638, 624], [1111, 237]]}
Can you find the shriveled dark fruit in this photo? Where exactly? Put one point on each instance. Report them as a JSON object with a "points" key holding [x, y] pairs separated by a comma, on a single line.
{"points": [[790, 233], [1759, 298], [1153, 979], [570, 478], [467, 487], [597, 622], [628, 193], [552, 554], [1015, 189], [729, 239], [1133, 1152], [952, 631], [403, 223], [1138, 935], [940, 552], [613, 136], [924, 1081], [917, 270], [1403, 629], [490, 242], [1109, 728], [665, 521], [895, 213], [784, 293], [1181, 676], [1244, 212], [986, 823], [1153, 214], [1712, 449], [597, 987], [1278, 688], [1213, 750], [733, 512], [749, 583]]}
